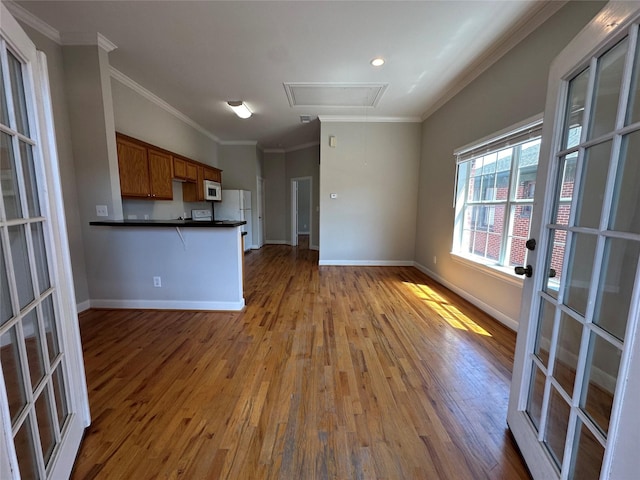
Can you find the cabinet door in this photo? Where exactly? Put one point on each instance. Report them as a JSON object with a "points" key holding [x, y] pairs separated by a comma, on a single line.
{"points": [[200, 185], [179, 168], [161, 175], [192, 171], [212, 174], [134, 169]]}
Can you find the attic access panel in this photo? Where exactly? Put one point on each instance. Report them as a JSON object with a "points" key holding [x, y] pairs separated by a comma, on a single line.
{"points": [[334, 94]]}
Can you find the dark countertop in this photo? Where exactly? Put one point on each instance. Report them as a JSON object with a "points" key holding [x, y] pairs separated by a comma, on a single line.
{"points": [[169, 223]]}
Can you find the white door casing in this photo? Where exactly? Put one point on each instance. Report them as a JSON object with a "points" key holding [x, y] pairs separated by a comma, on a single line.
{"points": [[616, 439]]}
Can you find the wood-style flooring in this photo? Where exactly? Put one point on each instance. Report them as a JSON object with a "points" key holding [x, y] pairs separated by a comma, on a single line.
{"points": [[329, 373]]}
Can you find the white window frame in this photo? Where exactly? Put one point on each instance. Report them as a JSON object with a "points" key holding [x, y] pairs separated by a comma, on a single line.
{"points": [[512, 136]]}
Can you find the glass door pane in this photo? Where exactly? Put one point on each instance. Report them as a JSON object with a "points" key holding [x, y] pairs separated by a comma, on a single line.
{"points": [[591, 257], [34, 363]]}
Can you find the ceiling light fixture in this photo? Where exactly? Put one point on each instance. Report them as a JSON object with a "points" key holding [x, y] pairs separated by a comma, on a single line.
{"points": [[377, 62], [240, 108]]}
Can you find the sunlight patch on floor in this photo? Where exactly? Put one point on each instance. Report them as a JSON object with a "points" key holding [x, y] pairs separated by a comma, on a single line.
{"points": [[450, 313]]}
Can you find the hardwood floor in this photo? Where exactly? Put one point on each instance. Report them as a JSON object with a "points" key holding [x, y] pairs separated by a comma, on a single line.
{"points": [[330, 372]]}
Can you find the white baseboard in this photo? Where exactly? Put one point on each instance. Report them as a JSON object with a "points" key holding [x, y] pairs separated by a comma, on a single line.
{"points": [[498, 315], [368, 263], [82, 306], [304, 233], [168, 305], [314, 247], [277, 242]]}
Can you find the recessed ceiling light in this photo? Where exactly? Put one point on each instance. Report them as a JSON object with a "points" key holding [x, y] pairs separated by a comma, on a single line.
{"points": [[377, 62]]}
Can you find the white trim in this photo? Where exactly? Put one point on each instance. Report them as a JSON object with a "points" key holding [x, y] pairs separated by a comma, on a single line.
{"points": [[83, 306], [289, 86], [238, 143], [532, 122], [168, 305], [314, 247], [136, 87], [277, 242], [488, 309], [366, 119], [367, 263], [84, 38], [496, 272], [34, 22], [518, 32]]}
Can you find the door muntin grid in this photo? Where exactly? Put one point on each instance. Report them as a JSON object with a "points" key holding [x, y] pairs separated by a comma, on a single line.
{"points": [[31, 358], [573, 371]]}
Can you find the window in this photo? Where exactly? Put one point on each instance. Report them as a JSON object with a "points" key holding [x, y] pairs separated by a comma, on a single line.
{"points": [[496, 182]]}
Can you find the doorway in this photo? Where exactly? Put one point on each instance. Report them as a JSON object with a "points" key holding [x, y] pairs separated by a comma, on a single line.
{"points": [[301, 211]]}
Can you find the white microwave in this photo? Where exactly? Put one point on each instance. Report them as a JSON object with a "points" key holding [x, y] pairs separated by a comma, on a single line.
{"points": [[212, 190]]}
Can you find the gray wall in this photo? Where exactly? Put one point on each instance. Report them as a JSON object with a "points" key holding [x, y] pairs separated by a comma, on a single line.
{"points": [[304, 206], [53, 51], [304, 163], [374, 171], [241, 166], [513, 89], [275, 181]]}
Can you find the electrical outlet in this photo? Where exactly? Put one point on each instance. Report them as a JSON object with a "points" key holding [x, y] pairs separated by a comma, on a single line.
{"points": [[157, 282], [102, 211]]}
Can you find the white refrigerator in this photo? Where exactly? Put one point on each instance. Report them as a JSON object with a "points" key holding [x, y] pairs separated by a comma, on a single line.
{"points": [[236, 205]]}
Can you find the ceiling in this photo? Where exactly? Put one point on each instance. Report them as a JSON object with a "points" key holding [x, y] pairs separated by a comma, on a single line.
{"points": [[196, 55]]}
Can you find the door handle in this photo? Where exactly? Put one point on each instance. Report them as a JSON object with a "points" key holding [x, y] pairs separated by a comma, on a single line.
{"points": [[526, 271]]}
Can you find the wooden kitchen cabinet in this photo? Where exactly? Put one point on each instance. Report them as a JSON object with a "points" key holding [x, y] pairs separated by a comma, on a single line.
{"points": [[160, 175], [134, 169], [184, 169], [194, 191], [147, 172], [213, 174], [144, 172]]}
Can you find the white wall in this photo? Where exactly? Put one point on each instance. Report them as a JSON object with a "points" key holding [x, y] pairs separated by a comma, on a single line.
{"points": [[513, 89], [374, 171]]}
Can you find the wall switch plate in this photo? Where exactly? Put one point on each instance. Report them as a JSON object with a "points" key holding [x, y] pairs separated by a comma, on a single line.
{"points": [[102, 211], [157, 282]]}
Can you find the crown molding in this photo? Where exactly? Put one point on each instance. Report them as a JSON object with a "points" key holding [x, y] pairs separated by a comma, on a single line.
{"points": [[238, 143], [136, 87], [302, 146], [84, 38], [542, 11], [34, 22], [366, 118]]}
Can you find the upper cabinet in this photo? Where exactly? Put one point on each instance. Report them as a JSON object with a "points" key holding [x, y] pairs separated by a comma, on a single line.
{"points": [[147, 172], [144, 172]]}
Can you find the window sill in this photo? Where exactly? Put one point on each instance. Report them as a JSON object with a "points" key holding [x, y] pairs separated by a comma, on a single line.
{"points": [[501, 273]]}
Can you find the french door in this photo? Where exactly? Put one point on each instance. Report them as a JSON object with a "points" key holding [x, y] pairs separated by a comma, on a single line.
{"points": [[576, 386], [43, 401]]}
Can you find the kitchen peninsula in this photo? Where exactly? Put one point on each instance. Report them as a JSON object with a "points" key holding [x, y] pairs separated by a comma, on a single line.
{"points": [[168, 264]]}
